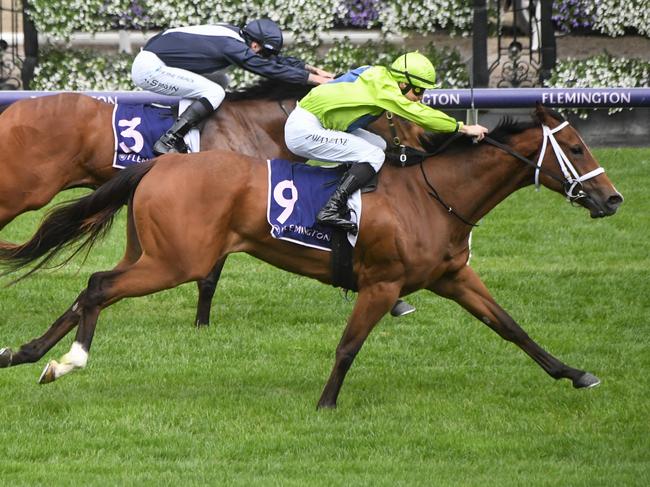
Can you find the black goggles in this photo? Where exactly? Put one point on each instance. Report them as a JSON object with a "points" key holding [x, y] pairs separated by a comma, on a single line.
{"points": [[267, 51], [417, 91]]}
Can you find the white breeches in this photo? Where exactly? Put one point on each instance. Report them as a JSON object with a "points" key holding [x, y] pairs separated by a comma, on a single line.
{"points": [[151, 74], [306, 137]]}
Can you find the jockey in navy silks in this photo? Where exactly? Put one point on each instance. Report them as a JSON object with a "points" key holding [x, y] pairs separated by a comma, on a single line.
{"points": [[176, 62]]}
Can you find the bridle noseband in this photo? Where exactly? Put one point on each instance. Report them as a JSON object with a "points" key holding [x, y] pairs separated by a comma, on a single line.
{"points": [[572, 179]]}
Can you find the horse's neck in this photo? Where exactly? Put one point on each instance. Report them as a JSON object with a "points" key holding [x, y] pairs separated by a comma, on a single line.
{"points": [[252, 127], [260, 108], [405, 131], [478, 180]]}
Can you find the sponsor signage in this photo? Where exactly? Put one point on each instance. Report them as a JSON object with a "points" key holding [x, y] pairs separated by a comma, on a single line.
{"points": [[7, 97], [550, 97], [483, 97]]}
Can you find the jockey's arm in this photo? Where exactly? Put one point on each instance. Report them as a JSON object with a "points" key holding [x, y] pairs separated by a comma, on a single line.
{"points": [[273, 68], [298, 63], [318, 71], [316, 79], [425, 116]]}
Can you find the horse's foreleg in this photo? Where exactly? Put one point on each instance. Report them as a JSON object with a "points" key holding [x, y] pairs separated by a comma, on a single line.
{"points": [[34, 350], [207, 287], [467, 289], [372, 303]]}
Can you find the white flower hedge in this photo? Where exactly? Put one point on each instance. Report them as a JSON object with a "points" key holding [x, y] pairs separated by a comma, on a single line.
{"points": [[305, 18], [425, 16], [82, 70], [60, 18], [614, 17]]}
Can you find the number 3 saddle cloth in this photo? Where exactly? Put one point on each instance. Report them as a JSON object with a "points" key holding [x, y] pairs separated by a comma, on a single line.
{"points": [[137, 127]]}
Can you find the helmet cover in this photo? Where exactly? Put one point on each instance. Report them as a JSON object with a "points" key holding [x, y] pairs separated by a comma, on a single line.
{"points": [[266, 33], [415, 69]]}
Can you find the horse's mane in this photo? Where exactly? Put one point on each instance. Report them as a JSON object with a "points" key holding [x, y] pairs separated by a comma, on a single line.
{"points": [[270, 90], [506, 128]]}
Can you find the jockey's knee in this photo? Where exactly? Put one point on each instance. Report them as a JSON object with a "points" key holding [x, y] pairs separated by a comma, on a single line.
{"points": [[215, 95], [374, 139], [376, 159]]}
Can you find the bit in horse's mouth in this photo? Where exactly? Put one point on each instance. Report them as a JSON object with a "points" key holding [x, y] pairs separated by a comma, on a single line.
{"points": [[598, 211]]}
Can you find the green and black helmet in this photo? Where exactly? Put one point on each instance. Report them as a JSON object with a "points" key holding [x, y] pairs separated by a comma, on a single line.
{"points": [[414, 69]]}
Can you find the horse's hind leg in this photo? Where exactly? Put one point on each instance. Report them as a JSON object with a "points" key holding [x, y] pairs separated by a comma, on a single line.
{"points": [[467, 289], [207, 287], [21, 194], [144, 277], [372, 304], [34, 350]]}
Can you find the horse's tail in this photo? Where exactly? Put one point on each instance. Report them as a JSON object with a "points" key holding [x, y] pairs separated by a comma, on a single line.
{"points": [[85, 219]]}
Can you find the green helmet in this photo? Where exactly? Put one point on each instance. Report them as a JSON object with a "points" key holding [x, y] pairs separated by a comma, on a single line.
{"points": [[415, 69]]}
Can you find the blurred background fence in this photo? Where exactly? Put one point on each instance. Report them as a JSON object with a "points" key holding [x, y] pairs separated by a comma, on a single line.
{"points": [[88, 45]]}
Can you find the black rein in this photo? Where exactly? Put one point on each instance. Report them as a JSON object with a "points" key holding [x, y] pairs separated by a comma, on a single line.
{"points": [[421, 156]]}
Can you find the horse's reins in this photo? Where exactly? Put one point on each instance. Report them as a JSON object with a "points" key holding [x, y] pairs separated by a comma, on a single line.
{"points": [[283, 108], [421, 154], [571, 181], [525, 160], [571, 177]]}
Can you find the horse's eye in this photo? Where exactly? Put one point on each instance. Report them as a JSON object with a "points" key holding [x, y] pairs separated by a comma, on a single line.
{"points": [[576, 149]]}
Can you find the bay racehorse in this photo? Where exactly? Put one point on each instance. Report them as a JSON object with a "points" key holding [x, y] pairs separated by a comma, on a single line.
{"points": [[407, 240], [53, 143]]}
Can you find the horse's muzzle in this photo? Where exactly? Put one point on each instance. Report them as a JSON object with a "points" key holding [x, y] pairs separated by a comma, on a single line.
{"points": [[602, 207]]}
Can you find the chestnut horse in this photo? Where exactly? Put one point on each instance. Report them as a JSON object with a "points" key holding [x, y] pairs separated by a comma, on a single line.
{"points": [[64, 141], [407, 240]]}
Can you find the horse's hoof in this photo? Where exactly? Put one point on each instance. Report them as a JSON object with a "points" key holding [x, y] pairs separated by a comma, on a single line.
{"points": [[47, 375], [6, 355], [401, 308], [324, 405], [586, 380]]}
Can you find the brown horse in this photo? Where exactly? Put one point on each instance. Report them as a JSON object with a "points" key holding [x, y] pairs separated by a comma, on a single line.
{"points": [[53, 143], [407, 240]]}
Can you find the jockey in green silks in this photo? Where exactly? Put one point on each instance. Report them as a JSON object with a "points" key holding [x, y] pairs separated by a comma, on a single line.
{"points": [[329, 123]]}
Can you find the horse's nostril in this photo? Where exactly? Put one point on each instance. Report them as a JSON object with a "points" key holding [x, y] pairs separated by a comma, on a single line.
{"points": [[615, 200]]}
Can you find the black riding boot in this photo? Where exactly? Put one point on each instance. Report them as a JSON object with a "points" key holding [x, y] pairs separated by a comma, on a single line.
{"points": [[334, 213], [172, 140]]}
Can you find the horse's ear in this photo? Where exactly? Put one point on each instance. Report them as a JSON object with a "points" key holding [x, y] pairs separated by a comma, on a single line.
{"points": [[540, 113], [547, 116]]}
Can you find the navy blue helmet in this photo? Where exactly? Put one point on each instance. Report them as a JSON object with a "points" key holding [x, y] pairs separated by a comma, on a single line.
{"points": [[265, 32]]}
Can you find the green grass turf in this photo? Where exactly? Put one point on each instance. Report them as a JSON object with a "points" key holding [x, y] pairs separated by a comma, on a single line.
{"points": [[434, 398]]}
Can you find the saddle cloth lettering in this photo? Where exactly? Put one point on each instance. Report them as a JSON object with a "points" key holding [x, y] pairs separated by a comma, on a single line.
{"points": [[136, 127], [297, 192]]}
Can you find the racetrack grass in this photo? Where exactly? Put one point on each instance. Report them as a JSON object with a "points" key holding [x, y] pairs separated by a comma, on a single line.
{"points": [[434, 398]]}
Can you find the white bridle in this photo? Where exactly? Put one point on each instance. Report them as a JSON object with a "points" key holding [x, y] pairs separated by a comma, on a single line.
{"points": [[571, 176]]}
